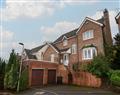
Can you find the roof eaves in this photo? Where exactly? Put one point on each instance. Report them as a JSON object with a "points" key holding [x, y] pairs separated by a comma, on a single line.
{"points": [[92, 20]]}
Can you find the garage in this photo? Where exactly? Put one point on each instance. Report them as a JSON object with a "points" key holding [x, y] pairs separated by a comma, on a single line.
{"points": [[37, 77], [51, 76]]}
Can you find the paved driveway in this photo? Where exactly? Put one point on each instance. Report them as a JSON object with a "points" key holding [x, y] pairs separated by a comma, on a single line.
{"points": [[66, 90]]}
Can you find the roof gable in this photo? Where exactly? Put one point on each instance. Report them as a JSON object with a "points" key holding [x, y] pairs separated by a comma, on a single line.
{"points": [[89, 19], [54, 48]]}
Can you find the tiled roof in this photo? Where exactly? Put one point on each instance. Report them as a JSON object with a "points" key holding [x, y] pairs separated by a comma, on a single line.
{"points": [[29, 54], [36, 49], [65, 49], [68, 35], [101, 20], [55, 46]]}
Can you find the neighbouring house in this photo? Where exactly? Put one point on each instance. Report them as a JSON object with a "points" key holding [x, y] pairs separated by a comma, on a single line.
{"points": [[53, 61], [118, 20]]}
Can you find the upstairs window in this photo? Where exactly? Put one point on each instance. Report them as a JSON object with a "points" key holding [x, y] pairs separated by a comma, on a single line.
{"points": [[65, 42], [52, 57], [74, 49], [88, 35], [89, 53]]}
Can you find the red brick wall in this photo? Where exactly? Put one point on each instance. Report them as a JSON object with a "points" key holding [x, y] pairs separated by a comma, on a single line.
{"points": [[48, 52], [97, 40], [63, 72], [33, 64], [86, 79], [73, 58]]}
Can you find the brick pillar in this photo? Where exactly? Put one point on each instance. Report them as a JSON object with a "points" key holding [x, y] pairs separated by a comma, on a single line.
{"points": [[45, 76]]}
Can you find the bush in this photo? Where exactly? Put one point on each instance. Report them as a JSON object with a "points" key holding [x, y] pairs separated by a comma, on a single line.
{"points": [[99, 66], [24, 79], [115, 78]]}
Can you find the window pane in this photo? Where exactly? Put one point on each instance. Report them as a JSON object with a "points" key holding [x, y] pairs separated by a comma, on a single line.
{"points": [[85, 53], [88, 35], [89, 53]]}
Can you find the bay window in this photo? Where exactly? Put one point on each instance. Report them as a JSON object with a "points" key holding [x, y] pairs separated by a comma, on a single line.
{"points": [[89, 53]]}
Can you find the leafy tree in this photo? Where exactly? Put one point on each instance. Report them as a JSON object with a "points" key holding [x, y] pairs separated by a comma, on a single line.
{"points": [[116, 51], [99, 66], [2, 73], [12, 68], [24, 79]]}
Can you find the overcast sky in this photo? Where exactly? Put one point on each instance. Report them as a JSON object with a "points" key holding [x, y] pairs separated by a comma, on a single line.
{"points": [[36, 21]]}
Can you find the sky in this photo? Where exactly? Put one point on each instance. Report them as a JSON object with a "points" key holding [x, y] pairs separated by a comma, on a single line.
{"points": [[34, 22]]}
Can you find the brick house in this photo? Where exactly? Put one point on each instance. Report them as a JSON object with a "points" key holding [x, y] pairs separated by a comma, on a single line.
{"points": [[117, 18], [77, 46]]}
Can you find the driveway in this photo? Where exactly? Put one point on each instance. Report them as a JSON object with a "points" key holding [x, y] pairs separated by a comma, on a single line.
{"points": [[66, 90]]}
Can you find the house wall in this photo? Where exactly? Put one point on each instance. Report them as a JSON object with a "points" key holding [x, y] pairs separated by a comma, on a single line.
{"points": [[118, 22], [73, 58], [47, 55], [97, 40], [33, 64], [61, 70], [86, 79]]}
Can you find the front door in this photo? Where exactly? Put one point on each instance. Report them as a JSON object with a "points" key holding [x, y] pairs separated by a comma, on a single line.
{"points": [[66, 59]]}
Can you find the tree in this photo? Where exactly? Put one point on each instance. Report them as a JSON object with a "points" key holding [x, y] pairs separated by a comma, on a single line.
{"points": [[2, 73], [116, 60], [24, 79], [11, 74], [99, 66]]}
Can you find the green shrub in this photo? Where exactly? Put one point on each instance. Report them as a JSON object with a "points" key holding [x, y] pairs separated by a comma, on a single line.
{"points": [[115, 78], [99, 66], [24, 79]]}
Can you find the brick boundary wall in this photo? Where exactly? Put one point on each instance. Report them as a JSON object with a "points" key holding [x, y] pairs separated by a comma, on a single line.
{"points": [[86, 79]]}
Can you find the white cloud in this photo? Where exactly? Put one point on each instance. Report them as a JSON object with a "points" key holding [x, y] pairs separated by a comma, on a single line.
{"points": [[5, 36], [36, 8], [58, 29], [63, 3], [26, 8], [112, 14]]}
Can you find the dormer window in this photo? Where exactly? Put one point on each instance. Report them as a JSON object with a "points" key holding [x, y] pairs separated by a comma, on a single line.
{"points": [[65, 41], [88, 35]]}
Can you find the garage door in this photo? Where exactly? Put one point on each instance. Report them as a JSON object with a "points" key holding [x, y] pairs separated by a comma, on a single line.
{"points": [[51, 76], [37, 77]]}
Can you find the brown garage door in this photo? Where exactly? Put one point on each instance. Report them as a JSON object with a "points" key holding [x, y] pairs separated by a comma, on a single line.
{"points": [[37, 77], [51, 76]]}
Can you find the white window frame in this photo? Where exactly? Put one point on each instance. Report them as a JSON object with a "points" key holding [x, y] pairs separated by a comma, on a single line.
{"points": [[66, 59], [65, 42], [88, 35], [74, 49], [88, 53], [52, 58]]}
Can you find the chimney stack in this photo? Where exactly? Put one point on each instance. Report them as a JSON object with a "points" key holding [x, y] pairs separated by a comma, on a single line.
{"points": [[106, 29]]}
